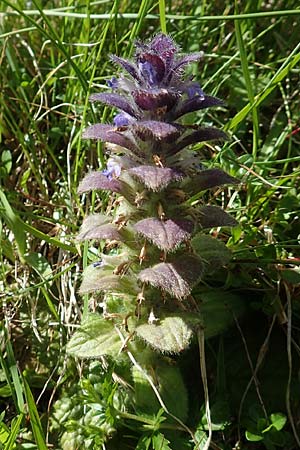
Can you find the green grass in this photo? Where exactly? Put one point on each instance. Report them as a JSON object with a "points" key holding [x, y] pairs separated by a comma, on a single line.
{"points": [[53, 55]]}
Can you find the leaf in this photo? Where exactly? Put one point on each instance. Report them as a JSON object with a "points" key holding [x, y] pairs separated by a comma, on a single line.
{"points": [[97, 226], [207, 179], [195, 104], [278, 420], [96, 337], [160, 442], [201, 135], [40, 264], [213, 251], [171, 335], [36, 425], [156, 178], [115, 100], [166, 235], [253, 437], [109, 133], [97, 180], [128, 66], [177, 278], [213, 216], [150, 100], [97, 279], [149, 130]]}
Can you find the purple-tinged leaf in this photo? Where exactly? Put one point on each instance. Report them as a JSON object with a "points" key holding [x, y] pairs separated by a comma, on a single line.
{"points": [[166, 235], [195, 104], [154, 130], [108, 133], [128, 66], [187, 59], [115, 100], [96, 226], [213, 252], [156, 178], [97, 180], [213, 216], [154, 99], [169, 335], [201, 135], [207, 179], [177, 278], [163, 45]]}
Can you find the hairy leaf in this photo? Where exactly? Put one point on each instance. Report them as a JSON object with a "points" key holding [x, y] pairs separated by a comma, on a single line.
{"points": [[170, 335], [128, 66], [109, 133], [213, 216], [156, 178], [153, 99], [149, 130], [213, 251], [195, 104], [201, 135], [177, 278], [117, 100], [97, 279], [207, 179], [166, 235], [97, 226], [96, 337], [97, 180]]}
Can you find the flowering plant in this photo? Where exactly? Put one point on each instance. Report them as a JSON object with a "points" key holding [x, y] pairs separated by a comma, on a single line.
{"points": [[160, 247]]}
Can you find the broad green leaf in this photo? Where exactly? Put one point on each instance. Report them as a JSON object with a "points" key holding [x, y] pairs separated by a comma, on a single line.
{"points": [[95, 337], [170, 335], [213, 251], [160, 442], [40, 264], [278, 421], [169, 383], [253, 437]]}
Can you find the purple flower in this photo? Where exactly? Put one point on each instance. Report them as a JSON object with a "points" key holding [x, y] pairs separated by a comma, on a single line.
{"points": [[113, 169]]}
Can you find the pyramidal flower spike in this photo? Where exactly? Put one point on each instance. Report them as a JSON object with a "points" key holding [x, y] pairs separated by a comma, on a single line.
{"points": [[151, 172]]}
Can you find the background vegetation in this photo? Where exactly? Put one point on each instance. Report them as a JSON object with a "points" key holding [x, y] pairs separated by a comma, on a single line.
{"points": [[53, 55]]}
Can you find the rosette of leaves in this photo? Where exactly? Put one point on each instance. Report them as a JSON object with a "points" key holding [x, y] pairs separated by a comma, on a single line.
{"points": [[146, 285]]}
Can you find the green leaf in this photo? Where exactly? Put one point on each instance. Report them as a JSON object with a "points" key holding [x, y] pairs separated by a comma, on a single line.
{"points": [[170, 335], [253, 437], [95, 337], [34, 419], [169, 383], [213, 251], [159, 442], [40, 264], [278, 421]]}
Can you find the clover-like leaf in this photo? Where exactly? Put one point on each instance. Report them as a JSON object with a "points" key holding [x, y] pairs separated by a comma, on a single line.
{"points": [[213, 216], [96, 337], [97, 180], [166, 235], [156, 178], [169, 335], [97, 226], [177, 278]]}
